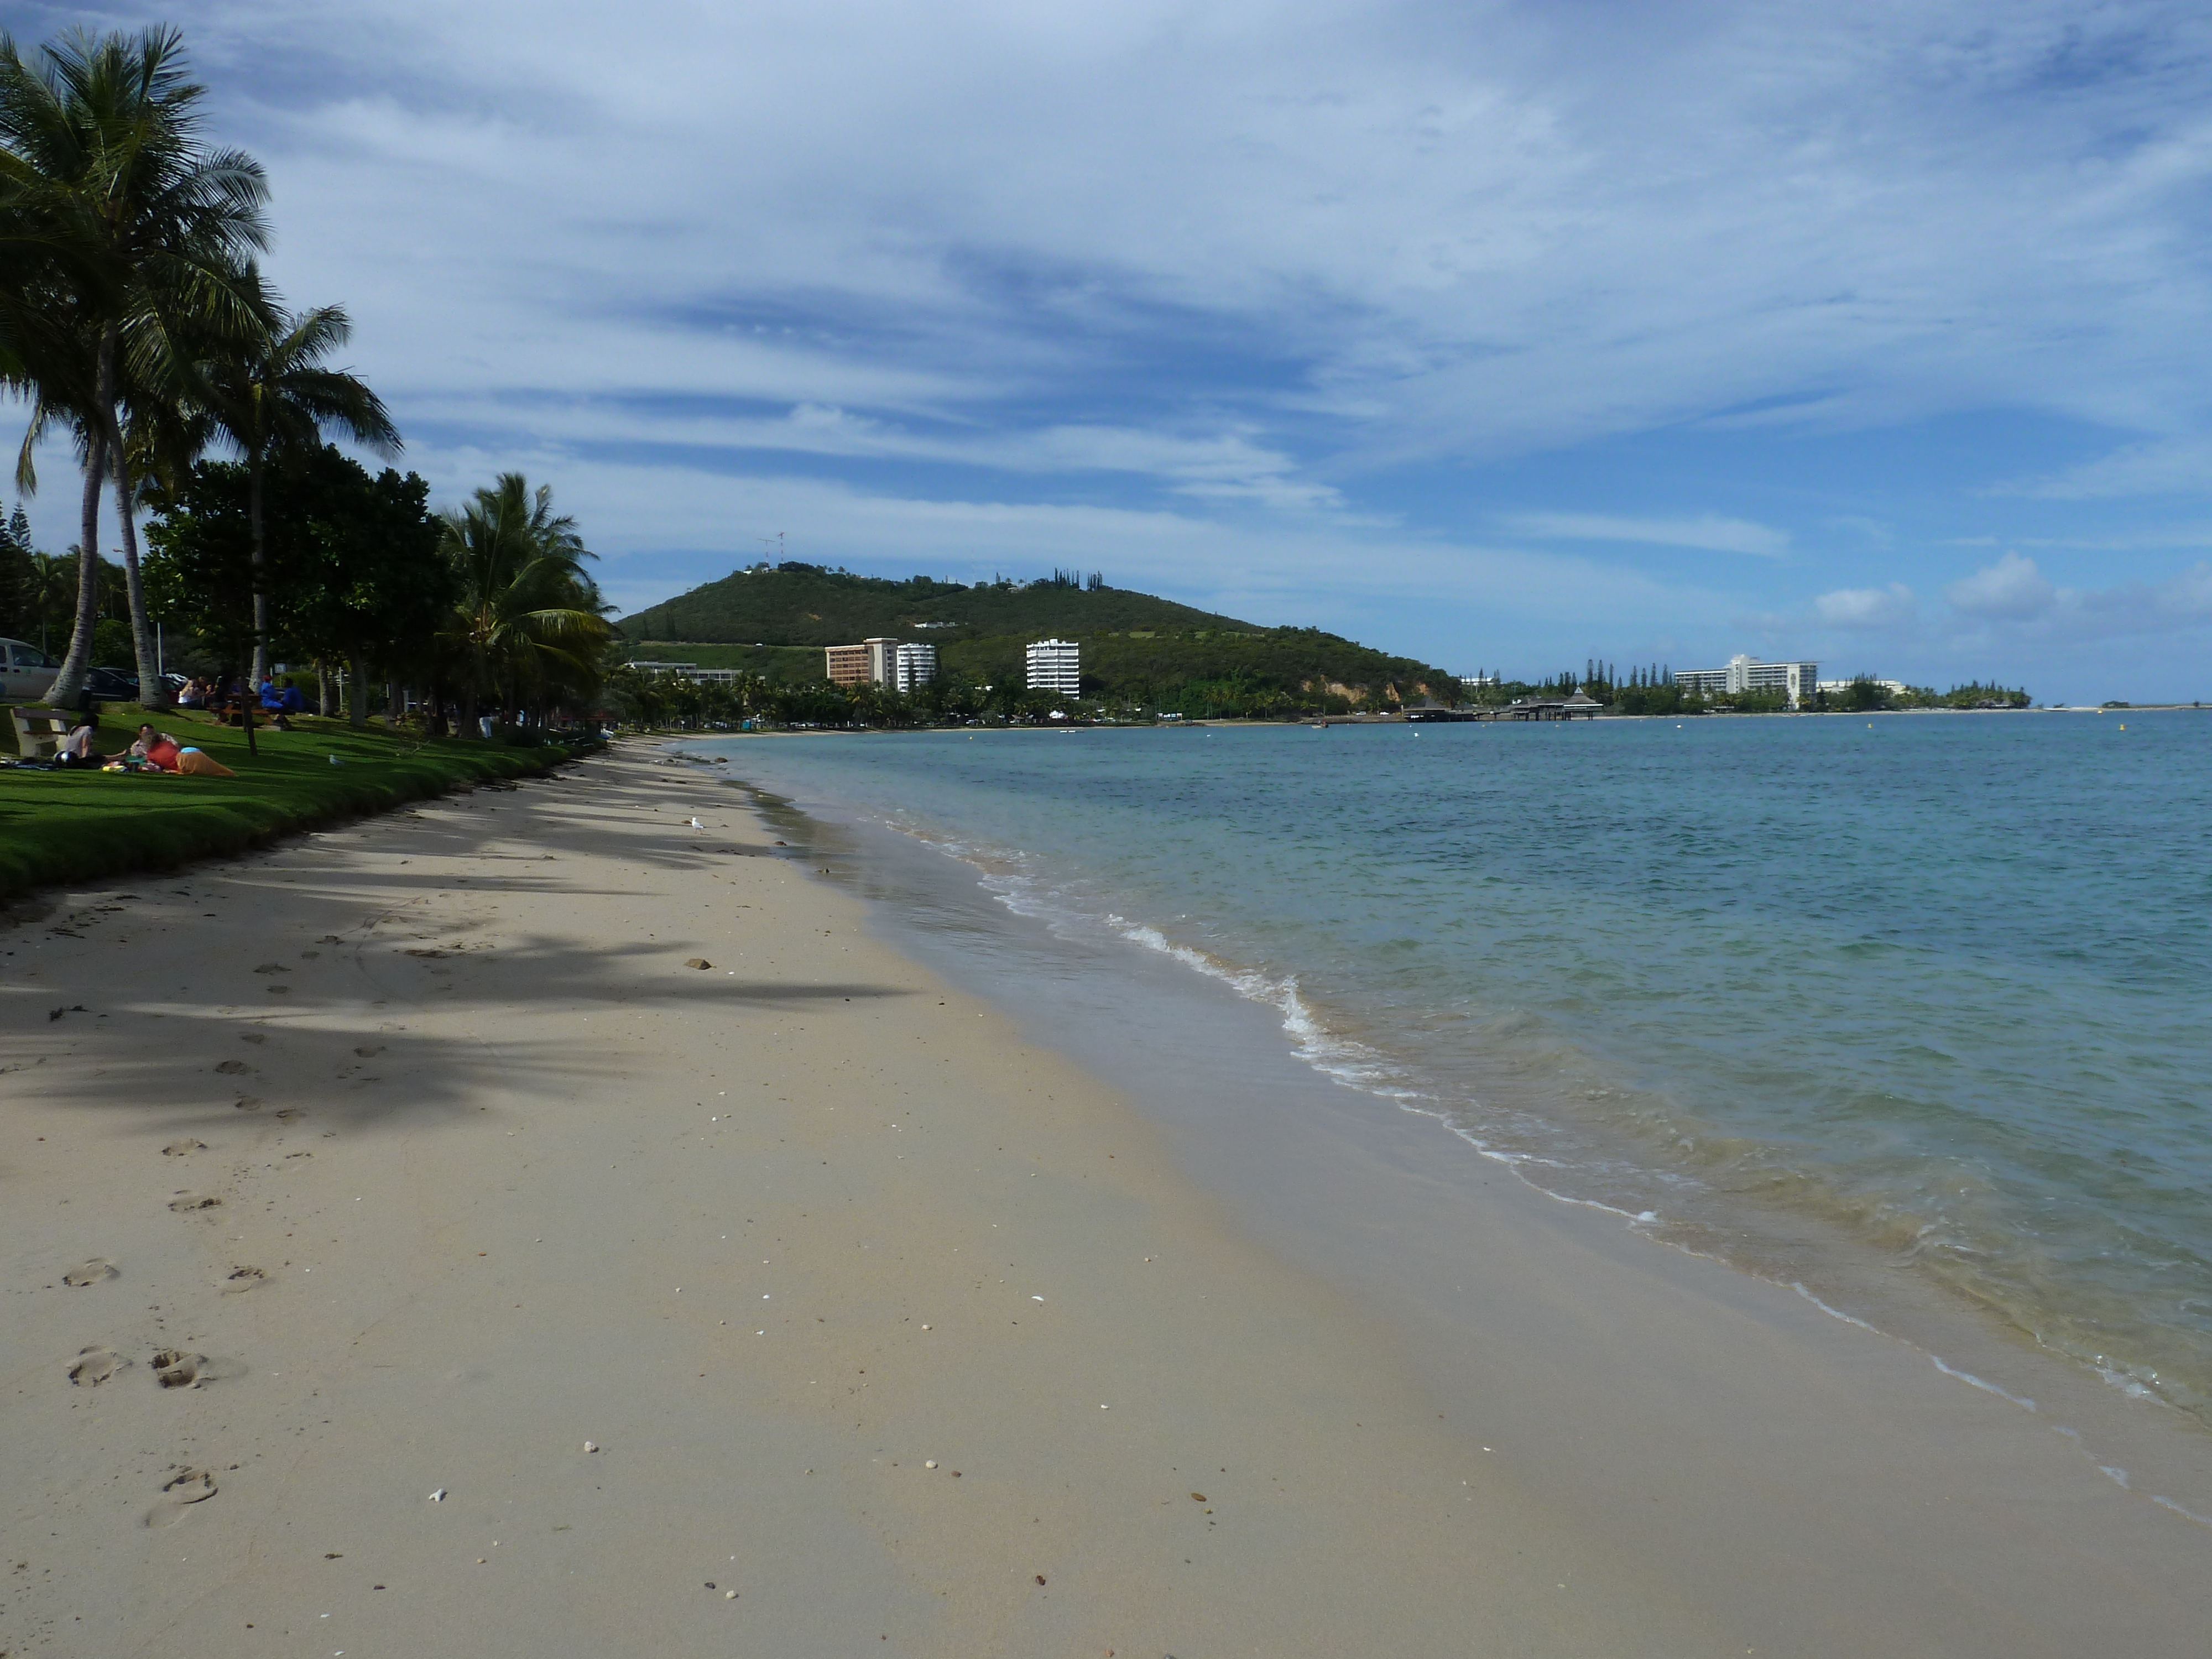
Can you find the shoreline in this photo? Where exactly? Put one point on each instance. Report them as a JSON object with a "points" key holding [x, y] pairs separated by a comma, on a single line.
{"points": [[510, 1216], [1814, 1234]]}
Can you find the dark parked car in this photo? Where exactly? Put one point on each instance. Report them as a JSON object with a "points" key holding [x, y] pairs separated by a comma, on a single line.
{"points": [[112, 685]]}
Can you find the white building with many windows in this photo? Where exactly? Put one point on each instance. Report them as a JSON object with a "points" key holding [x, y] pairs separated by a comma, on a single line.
{"points": [[1799, 680], [915, 667], [1055, 665]]}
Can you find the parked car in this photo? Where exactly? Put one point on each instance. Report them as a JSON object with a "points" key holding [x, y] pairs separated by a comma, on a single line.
{"points": [[26, 674], [111, 685]]}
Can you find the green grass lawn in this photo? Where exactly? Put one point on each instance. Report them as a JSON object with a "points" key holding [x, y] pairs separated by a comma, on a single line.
{"points": [[77, 825]]}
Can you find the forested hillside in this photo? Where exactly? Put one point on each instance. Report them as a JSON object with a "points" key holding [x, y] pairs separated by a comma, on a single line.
{"points": [[1137, 651], [805, 604]]}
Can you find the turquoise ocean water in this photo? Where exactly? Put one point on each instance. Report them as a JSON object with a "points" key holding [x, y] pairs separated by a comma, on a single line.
{"points": [[1933, 985]]}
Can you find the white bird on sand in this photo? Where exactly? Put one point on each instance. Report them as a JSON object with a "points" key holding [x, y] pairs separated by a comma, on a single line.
{"points": [[695, 824]]}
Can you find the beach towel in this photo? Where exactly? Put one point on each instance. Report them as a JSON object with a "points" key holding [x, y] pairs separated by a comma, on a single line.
{"points": [[201, 764]]}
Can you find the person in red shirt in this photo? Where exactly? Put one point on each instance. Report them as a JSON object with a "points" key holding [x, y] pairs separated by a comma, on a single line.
{"points": [[157, 749]]}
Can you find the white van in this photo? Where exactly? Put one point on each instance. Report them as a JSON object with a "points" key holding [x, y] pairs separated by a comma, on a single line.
{"points": [[26, 674]]}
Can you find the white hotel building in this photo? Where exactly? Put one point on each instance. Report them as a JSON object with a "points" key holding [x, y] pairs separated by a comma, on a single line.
{"points": [[1055, 665], [915, 667], [1743, 673]]}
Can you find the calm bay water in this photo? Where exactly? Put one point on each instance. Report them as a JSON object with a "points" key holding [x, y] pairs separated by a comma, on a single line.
{"points": [[1938, 982]]}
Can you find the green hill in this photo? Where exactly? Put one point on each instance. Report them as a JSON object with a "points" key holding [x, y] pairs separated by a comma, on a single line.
{"points": [[805, 604], [1137, 650]]}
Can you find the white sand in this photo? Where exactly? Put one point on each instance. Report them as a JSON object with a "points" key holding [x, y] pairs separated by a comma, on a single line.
{"points": [[775, 1236]]}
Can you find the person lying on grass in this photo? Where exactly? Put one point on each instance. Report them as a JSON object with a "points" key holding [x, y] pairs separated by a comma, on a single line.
{"points": [[159, 751], [157, 748]]}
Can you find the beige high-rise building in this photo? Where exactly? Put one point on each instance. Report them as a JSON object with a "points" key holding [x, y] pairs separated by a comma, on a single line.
{"points": [[874, 659]]}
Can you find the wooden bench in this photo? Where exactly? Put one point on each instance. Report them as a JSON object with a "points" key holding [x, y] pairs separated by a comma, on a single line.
{"points": [[38, 732]]}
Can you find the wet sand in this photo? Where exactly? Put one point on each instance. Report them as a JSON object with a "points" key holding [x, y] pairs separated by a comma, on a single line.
{"points": [[426, 1161]]}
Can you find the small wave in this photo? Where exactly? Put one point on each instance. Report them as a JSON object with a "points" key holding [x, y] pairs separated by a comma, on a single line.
{"points": [[1987, 1388], [1335, 1055], [2186, 1515], [1836, 1313]]}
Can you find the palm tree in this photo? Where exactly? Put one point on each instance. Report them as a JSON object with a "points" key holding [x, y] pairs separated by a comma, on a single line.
{"points": [[127, 232], [270, 392], [51, 590], [530, 621]]}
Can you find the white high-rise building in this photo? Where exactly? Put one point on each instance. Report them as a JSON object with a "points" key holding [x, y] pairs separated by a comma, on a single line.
{"points": [[916, 666], [1055, 665], [1746, 673]]}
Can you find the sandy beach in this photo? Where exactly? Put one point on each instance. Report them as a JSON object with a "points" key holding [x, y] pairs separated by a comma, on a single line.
{"points": [[407, 1250]]}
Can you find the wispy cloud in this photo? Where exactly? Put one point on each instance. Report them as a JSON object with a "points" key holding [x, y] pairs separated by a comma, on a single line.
{"points": [[1296, 274], [1710, 532], [2168, 466]]}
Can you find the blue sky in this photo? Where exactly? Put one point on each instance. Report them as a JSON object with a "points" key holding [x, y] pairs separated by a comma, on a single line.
{"points": [[1503, 335]]}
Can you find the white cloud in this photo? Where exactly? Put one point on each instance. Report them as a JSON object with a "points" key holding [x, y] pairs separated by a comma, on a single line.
{"points": [[1235, 262], [1893, 606], [1469, 229], [1710, 532], [2011, 590]]}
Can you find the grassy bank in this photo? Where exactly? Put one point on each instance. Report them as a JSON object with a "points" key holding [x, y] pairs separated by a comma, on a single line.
{"points": [[78, 825]]}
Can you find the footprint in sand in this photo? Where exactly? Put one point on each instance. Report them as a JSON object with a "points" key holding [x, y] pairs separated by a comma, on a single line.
{"points": [[183, 1148], [370, 1051], [238, 1280], [175, 1368], [179, 1493], [232, 1067], [186, 1202], [98, 1271], [93, 1366]]}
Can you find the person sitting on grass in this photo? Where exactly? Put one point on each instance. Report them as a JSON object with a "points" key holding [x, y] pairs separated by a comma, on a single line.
{"points": [[193, 696], [76, 749]]}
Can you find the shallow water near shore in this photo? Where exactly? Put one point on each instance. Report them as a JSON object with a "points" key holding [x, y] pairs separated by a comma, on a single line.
{"points": [[1928, 987]]}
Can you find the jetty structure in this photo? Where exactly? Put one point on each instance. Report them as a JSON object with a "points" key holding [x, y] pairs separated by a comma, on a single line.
{"points": [[1579, 706]]}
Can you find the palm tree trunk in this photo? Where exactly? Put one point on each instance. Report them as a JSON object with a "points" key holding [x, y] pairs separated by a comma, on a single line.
{"points": [[69, 683], [253, 470], [357, 691], [324, 703], [152, 693]]}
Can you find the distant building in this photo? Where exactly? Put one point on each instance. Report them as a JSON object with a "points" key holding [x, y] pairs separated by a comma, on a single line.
{"points": [[916, 665], [1478, 680], [1055, 665], [1579, 707], [1799, 680], [1837, 688], [874, 659], [884, 661], [690, 670]]}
